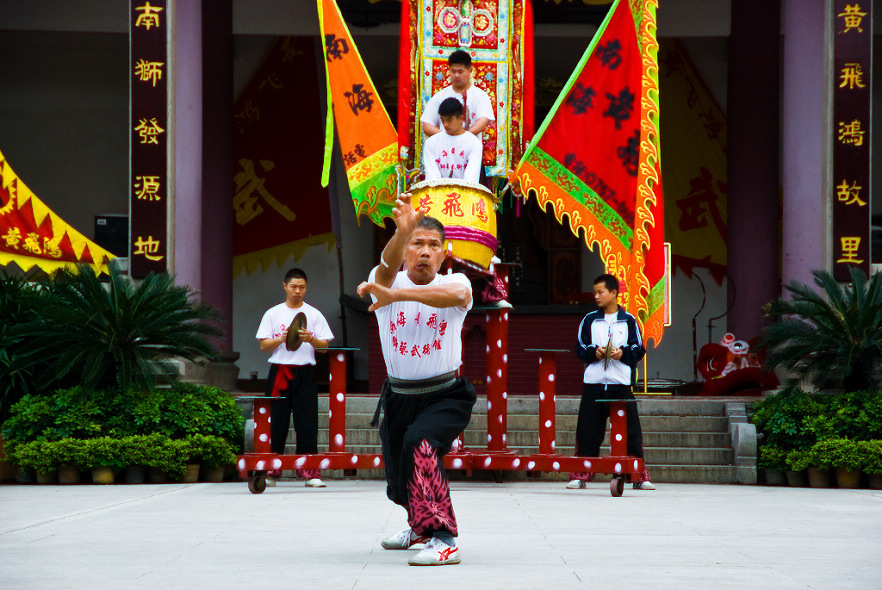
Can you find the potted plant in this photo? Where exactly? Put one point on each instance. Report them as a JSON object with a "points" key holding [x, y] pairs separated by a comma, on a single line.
{"points": [[134, 452], [69, 457], [773, 461], [820, 474], [797, 463], [36, 456], [102, 456], [871, 451], [166, 461], [843, 456], [213, 453]]}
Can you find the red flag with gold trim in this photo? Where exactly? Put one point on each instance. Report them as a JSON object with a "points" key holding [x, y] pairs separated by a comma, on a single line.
{"points": [[368, 141], [32, 235], [596, 158]]}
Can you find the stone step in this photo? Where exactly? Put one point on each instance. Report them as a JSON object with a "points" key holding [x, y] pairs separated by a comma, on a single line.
{"points": [[649, 405], [564, 423], [527, 439]]}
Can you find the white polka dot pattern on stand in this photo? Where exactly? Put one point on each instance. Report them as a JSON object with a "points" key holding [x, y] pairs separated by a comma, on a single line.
{"points": [[376, 461], [263, 437], [241, 463], [551, 377], [548, 424], [324, 464], [277, 463], [555, 466], [300, 461], [341, 358], [261, 465], [618, 468], [338, 440], [621, 412], [516, 463], [587, 464], [457, 463], [531, 465], [487, 462], [499, 373], [619, 437], [340, 397], [354, 459], [636, 464], [262, 410]]}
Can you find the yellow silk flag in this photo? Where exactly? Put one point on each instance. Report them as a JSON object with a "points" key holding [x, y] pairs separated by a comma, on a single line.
{"points": [[32, 235], [695, 171], [368, 141]]}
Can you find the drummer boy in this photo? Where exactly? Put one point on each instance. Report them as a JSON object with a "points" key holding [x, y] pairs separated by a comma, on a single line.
{"points": [[292, 370], [455, 152]]}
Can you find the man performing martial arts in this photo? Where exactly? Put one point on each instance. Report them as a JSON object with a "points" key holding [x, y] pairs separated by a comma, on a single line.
{"points": [[420, 314]]}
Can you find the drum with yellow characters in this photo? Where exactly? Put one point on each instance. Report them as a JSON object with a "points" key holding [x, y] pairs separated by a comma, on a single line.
{"points": [[468, 212]]}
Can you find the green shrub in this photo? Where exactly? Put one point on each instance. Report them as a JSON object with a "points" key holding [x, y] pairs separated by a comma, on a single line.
{"points": [[211, 451], [798, 460], [772, 458], [836, 453], [871, 453], [33, 455], [177, 412], [103, 452], [113, 336], [794, 419], [20, 302]]}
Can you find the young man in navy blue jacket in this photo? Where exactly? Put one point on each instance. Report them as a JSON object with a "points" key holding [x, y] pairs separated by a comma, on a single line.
{"points": [[612, 327]]}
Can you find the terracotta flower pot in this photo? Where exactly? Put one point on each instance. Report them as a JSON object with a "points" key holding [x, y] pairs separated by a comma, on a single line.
{"points": [[47, 477], [134, 474], [797, 479], [68, 474], [212, 474], [192, 473], [819, 479], [155, 475], [102, 475], [848, 478], [775, 477], [875, 480]]}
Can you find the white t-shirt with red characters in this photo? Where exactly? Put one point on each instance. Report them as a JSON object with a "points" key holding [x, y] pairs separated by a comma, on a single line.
{"points": [[477, 102], [453, 156], [420, 341], [279, 317]]}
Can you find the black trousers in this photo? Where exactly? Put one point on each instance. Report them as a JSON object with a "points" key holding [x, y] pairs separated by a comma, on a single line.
{"points": [[416, 432], [593, 416], [294, 385]]}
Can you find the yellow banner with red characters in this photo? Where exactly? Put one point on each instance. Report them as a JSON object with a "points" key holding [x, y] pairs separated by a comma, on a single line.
{"points": [[32, 235], [368, 141]]}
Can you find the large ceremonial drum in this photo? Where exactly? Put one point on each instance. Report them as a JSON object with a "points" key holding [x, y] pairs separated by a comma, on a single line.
{"points": [[468, 212]]}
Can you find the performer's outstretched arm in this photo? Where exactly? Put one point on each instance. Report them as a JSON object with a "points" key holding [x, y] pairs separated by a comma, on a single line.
{"points": [[406, 219]]}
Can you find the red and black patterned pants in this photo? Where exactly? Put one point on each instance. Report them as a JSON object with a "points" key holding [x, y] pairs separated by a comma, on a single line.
{"points": [[417, 431]]}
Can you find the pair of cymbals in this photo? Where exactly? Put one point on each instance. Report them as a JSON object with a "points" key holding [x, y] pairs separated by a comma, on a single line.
{"points": [[293, 341]]}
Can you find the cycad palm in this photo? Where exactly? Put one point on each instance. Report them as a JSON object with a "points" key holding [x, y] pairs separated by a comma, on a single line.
{"points": [[834, 340], [118, 336]]}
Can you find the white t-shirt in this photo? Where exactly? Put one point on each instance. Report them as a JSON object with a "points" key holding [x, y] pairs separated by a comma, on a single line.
{"points": [[453, 156], [477, 102], [420, 341], [279, 317]]}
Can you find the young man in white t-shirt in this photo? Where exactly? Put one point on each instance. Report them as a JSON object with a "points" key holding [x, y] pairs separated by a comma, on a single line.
{"points": [[455, 153], [420, 314], [292, 373], [476, 103], [608, 326]]}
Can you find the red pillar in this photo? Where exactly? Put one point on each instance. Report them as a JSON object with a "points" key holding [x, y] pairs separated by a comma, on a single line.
{"points": [[337, 403]]}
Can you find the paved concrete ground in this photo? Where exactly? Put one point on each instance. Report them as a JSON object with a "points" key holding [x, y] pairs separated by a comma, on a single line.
{"points": [[513, 535]]}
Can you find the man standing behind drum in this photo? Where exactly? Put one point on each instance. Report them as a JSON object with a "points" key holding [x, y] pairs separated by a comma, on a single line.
{"points": [[292, 372], [455, 153], [476, 103]]}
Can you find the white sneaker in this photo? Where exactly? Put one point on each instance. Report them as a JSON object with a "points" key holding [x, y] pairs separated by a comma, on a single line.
{"points": [[315, 483], [403, 540], [644, 485], [436, 552], [577, 484]]}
